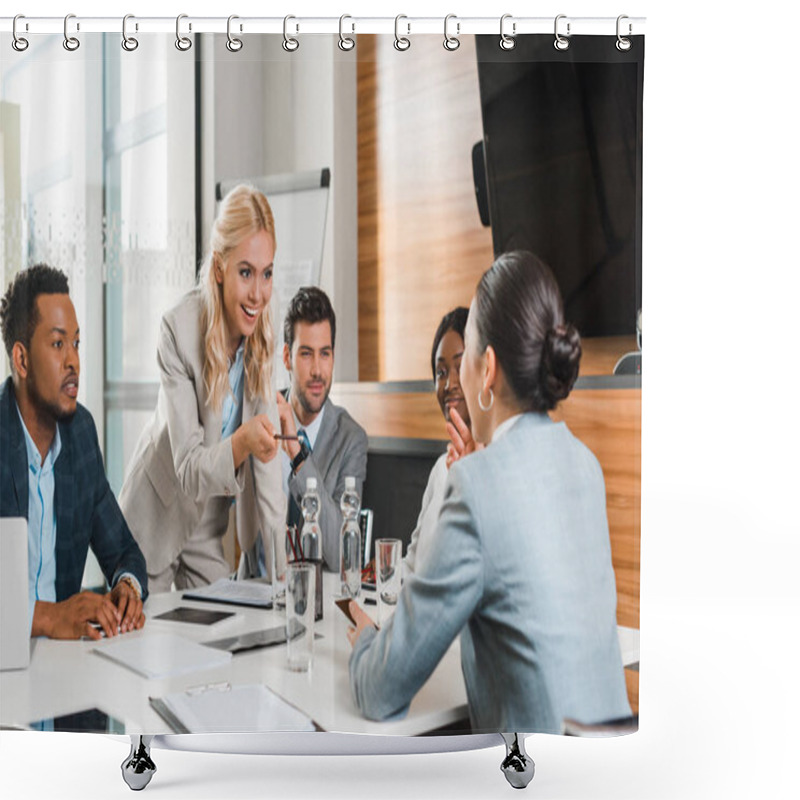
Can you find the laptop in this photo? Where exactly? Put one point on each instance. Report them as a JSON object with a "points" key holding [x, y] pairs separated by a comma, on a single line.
{"points": [[15, 634]]}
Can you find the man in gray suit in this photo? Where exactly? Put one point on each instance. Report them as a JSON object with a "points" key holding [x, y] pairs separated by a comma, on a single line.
{"points": [[331, 445]]}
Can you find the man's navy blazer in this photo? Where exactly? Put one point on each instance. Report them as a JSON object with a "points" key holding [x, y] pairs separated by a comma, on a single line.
{"points": [[87, 513]]}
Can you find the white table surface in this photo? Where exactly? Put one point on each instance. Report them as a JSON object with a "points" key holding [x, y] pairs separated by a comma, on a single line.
{"points": [[65, 677]]}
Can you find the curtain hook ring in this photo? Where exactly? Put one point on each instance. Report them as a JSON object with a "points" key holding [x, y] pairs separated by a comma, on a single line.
{"points": [[401, 42], [561, 42], [451, 43], [507, 42], [129, 43], [623, 44], [183, 43], [233, 44], [345, 42], [19, 43], [290, 44], [70, 43]]}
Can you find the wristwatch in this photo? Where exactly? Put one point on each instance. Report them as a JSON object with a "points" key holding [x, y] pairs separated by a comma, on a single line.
{"points": [[132, 583], [300, 457]]}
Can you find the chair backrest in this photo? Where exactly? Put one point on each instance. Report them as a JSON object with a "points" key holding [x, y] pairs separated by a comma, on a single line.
{"points": [[397, 474]]}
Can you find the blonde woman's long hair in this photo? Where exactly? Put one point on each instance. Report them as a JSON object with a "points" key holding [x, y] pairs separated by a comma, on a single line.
{"points": [[243, 213]]}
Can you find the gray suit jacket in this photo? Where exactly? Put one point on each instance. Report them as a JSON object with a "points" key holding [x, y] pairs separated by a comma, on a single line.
{"points": [[339, 451], [521, 563], [181, 463]]}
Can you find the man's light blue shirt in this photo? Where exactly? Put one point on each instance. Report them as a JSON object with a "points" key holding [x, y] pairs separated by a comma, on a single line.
{"points": [[41, 521]]}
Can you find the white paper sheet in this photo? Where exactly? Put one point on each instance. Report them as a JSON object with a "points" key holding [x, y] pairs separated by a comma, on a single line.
{"points": [[161, 655]]}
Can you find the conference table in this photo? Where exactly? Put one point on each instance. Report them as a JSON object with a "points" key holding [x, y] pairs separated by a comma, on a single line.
{"points": [[66, 677]]}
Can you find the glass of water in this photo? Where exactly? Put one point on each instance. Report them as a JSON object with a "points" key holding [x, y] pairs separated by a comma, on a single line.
{"points": [[388, 553], [300, 601]]}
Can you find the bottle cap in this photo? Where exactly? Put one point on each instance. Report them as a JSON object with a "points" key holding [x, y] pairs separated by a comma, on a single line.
{"points": [[349, 482], [311, 483]]}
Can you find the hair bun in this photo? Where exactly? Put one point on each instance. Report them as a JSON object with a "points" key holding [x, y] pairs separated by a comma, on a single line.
{"points": [[561, 357]]}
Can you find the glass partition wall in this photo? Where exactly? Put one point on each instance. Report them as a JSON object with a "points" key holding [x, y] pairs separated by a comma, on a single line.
{"points": [[98, 179], [150, 250]]}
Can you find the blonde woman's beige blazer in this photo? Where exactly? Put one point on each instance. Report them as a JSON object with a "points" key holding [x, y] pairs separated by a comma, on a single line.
{"points": [[181, 460]]}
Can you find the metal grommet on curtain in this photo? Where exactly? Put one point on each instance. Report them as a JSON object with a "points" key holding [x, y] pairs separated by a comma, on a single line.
{"points": [[401, 42], [19, 43], [183, 43], [451, 43], [561, 42], [128, 42], [345, 42], [233, 44], [507, 42], [623, 44], [71, 43], [290, 44]]}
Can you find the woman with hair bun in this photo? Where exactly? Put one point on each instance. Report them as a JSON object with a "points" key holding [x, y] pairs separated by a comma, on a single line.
{"points": [[212, 437], [520, 565]]}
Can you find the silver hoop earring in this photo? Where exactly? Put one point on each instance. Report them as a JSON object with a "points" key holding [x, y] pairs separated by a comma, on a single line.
{"points": [[480, 399]]}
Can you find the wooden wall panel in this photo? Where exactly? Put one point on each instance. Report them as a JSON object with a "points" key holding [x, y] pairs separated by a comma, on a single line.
{"points": [[407, 415], [607, 421], [600, 355], [369, 308], [422, 247]]}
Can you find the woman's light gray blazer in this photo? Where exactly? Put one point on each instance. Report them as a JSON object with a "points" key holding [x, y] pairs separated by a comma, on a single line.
{"points": [[181, 461], [520, 566]]}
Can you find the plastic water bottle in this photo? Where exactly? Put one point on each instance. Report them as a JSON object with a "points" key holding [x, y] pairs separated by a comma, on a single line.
{"points": [[310, 536], [351, 540]]}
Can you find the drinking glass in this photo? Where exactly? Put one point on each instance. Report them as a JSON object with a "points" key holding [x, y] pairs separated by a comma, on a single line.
{"points": [[301, 579], [387, 576]]}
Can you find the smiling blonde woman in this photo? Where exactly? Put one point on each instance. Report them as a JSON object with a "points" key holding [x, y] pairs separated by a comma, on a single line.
{"points": [[212, 437]]}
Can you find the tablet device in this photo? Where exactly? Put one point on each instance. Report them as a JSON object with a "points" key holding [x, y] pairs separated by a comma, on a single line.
{"points": [[91, 720], [195, 616], [256, 639]]}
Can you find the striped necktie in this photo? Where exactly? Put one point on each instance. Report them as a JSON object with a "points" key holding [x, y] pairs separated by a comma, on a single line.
{"points": [[295, 515], [303, 437]]}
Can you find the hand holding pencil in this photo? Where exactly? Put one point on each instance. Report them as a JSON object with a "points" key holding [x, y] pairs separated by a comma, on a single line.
{"points": [[288, 433]]}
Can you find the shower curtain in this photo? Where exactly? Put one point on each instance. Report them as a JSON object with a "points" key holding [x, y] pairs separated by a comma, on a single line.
{"points": [[431, 162]]}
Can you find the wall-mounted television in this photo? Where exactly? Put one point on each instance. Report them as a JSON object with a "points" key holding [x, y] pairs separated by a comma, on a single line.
{"points": [[562, 151]]}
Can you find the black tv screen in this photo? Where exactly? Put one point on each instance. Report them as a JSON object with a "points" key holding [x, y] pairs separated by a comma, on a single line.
{"points": [[563, 162]]}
